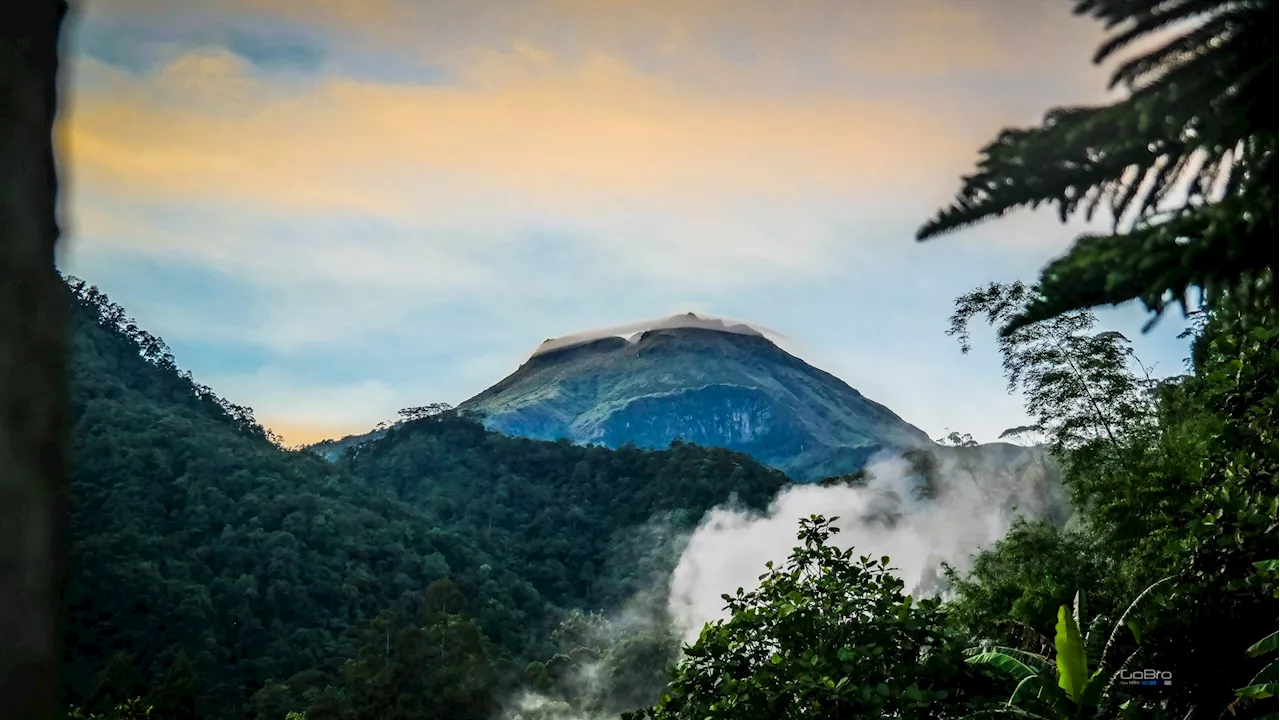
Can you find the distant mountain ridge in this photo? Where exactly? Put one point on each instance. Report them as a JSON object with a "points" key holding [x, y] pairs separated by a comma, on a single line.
{"points": [[698, 380]]}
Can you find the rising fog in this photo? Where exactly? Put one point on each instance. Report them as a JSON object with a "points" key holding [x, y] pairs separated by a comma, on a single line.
{"points": [[979, 493], [978, 499]]}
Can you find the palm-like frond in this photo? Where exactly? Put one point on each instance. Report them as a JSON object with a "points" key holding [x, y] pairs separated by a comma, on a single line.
{"points": [[1266, 683], [1266, 644], [1004, 662], [1267, 675], [1113, 676], [1263, 685], [1093, 636], [1032, 641], [1215, 248], [1059, 673], [988, 656], [1185, 164], [1041, 689], [1007, 711], [1115, 631]]}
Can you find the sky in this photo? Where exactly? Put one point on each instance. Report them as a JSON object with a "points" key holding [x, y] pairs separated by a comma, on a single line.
{"points": [[334, 209]]}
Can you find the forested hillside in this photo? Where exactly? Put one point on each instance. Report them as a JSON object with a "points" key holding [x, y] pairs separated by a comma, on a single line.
{"points": [[213, 557], [563, 514]]}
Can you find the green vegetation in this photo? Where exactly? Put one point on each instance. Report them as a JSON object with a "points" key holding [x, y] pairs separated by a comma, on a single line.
{"points": [[440, 570], [197, 541], [1185, 165], [1061, 686], [828, 635]]}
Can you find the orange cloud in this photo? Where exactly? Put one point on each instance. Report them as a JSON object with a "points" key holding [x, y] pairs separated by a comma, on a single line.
{"points": [[557, 133]]}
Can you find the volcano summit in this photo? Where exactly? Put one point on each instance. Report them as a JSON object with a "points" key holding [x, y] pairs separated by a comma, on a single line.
{"points": [[695, 379]]}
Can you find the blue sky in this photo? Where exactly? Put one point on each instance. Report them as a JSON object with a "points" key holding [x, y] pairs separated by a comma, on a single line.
{"points": [[334, 210]]}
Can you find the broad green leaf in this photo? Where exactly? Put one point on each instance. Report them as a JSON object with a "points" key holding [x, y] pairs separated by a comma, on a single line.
{"points": [[1257, 692], [1007, 663], [1135, 629], [1039, 687], [1266, 644], [1267, 673], [1072, 669], [1093, 689]]}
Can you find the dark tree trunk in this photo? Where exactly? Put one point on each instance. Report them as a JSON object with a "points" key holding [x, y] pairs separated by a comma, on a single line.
{"points": [[34, 361]]}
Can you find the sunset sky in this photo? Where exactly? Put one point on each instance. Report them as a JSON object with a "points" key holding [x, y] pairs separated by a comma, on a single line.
{"points": [[334, 209]]}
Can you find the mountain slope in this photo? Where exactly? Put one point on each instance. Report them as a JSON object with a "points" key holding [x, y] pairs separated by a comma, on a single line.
{"points": [[566, 515], [727, 388], [192, 531]]}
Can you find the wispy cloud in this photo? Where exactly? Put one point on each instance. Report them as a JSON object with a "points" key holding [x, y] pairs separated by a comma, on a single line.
{"points": [[380, 194]]}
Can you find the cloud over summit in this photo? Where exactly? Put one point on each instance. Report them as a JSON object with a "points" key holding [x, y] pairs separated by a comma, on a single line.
{"points": [[634, 329]]}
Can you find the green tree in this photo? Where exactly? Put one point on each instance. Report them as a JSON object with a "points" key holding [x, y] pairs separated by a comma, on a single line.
{"points": [[1176, 477], [130, 709], [177, 698], [829, 634], [1123, 441], [118, 681], [1022, 579], [606, 667], [1185, 164], [1082, 387], [438, 668]]}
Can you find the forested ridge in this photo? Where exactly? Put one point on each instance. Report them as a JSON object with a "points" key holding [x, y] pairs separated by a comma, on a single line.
{"points": [[199, 543]]}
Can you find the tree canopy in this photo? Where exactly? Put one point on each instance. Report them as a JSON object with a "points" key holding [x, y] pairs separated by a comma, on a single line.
{"points": [[1184, 164]]}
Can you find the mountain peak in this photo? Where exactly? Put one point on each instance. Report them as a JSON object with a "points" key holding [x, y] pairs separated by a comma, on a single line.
{"points": [[635, 330], [699, 379]]}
